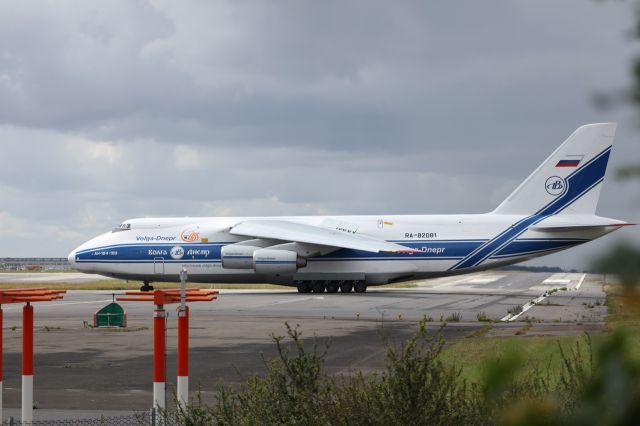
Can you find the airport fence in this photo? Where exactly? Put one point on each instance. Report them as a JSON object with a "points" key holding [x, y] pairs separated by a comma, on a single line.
{"points": [[149, 418]]}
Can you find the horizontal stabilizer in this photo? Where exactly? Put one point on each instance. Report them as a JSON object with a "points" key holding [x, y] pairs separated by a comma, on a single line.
{"points": [[577, 227], [577, 223]]}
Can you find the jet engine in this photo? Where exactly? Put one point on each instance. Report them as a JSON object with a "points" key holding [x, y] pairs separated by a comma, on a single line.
{"points": [[237, 256], [271, 261], [262, 260]]}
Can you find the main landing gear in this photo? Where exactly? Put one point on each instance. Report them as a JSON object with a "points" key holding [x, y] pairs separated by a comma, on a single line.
{"points": [[331, 286], [146, 286]]}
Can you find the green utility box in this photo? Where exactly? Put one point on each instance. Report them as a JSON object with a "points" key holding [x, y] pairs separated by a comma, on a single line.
{"points": [[112, 315]]}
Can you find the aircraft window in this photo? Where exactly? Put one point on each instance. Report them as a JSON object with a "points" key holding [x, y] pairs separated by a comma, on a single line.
{"points": [[123, 227]]}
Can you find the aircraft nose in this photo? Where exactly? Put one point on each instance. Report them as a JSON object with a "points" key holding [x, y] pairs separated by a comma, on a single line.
{"points": [[72, 258]]}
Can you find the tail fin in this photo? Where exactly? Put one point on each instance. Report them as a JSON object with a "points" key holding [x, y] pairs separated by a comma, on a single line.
{"points": [[570, 179]]}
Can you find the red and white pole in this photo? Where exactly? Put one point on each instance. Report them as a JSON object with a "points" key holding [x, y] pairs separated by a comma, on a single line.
{"points": [[183, 357], [159, 343], [27, 363]]}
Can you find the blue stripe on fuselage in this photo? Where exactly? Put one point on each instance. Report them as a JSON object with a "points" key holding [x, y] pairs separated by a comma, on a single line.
{"points": [[136, 252]]}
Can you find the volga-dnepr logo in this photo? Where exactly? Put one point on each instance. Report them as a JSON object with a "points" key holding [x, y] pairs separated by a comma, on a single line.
{"points": [[555, 185], [189, 236], [177, 252]]}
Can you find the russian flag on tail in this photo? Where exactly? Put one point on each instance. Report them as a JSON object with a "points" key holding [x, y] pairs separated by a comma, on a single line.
{"points": [[570, 161]]}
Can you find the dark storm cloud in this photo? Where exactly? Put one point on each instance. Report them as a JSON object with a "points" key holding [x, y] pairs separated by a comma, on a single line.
{"points": [[353, 75]]}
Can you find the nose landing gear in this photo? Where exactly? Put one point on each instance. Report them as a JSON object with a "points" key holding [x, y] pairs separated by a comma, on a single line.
{"points": [[146, 286]]}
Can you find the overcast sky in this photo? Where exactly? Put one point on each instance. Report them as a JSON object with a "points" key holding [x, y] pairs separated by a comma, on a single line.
{"points": [[120, 109]]}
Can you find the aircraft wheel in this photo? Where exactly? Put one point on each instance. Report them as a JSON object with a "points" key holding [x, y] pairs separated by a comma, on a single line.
{"points": [[360, 286], [332, 287], [346, 287], [304, 287], [318, 287], [146, 286]]}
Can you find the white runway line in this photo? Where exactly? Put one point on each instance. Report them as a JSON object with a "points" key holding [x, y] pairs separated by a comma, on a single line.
{"points": [[525, 308], [551, 280], [486, 279], [555, 281], [581, 281], [449, 281], [481, 278]]}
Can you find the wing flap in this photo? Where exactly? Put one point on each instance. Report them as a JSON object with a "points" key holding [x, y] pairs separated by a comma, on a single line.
{"points": [[302, 233]]}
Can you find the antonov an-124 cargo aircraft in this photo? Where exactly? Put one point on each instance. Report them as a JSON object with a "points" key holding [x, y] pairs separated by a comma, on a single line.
{"points": [[552, 210]]}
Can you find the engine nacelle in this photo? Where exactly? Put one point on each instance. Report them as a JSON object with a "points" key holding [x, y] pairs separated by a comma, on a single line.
{"points": [[270, 261], [236, 256]]}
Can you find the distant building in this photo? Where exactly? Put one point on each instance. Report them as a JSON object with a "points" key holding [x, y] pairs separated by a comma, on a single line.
{"points": [[34, 263]]}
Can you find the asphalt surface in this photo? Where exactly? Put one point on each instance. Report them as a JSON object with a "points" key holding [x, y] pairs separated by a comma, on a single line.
{"points": [[81, 368]]}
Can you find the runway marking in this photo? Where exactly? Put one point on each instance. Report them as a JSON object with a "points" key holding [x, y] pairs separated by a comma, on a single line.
{"points": [[486, 279], [468, 279], [525, 308], [450, 282], [581, 281], [555, 281]]}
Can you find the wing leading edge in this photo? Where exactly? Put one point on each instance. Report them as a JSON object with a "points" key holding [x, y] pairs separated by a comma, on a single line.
{"points": [[302, 233]]}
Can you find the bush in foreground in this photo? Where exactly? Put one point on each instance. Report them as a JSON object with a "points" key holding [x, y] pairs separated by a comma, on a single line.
{"points": [[595, 386]]}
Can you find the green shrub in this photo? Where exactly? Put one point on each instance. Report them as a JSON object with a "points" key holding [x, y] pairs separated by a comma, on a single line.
{"points": [[414, 388], [453, 317], [595, 386], [515, 310], [483, 317]]}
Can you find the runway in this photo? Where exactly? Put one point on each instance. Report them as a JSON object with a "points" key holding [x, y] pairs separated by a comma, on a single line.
{"points": [[77, 367]]}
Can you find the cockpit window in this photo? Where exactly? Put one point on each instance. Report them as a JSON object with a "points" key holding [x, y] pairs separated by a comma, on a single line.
{"points": [[122, 227]]}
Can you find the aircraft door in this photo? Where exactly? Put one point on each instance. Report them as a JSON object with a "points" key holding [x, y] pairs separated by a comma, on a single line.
{"points": [[158, 265]]}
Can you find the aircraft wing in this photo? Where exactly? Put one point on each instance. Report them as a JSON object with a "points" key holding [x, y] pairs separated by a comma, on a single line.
{"points": [[310, 234]]}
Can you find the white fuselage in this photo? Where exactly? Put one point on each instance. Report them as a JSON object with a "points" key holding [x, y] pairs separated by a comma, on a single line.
{"points": [[157, 249]]}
